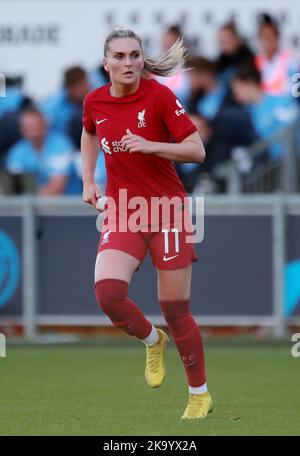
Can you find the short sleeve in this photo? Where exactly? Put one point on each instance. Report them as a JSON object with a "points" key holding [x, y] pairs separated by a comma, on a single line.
{"points": [[174, 116], [87, 120]]}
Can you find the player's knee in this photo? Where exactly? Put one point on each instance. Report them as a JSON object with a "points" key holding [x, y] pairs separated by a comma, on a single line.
{"points": [[175, 310], [110, 292]]}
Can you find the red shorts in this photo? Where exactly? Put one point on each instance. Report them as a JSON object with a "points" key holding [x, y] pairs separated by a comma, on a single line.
{"points": [[169, 249]]}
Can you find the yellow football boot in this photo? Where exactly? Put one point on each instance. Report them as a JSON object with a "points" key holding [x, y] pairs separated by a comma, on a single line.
{"points": [[155, 370], [199, 406]]}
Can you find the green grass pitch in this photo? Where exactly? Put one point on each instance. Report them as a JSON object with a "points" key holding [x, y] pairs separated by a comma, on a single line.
{"points": [[100, 390]]}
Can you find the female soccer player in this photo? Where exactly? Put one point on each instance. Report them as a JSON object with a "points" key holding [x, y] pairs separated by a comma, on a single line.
{"points": [[136, 119]]}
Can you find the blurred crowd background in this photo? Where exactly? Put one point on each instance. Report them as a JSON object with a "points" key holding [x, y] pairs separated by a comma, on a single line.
{"points": [[244, 102]]}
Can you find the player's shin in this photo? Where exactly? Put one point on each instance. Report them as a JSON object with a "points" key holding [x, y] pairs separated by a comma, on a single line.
{"points": [[188, 340], [112, 298]]}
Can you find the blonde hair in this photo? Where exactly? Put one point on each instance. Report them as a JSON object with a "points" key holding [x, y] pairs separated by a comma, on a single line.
{"points": [[168, 64]]}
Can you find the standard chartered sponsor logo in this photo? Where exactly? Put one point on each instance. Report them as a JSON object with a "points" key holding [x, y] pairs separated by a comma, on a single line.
{"points": [[116, 146], [105, 146]]}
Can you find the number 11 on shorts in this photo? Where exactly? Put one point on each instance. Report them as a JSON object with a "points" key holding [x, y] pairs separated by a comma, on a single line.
{"points": [[166, 234]]}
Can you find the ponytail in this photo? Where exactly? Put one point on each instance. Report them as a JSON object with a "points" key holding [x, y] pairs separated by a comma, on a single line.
{"points": [[170, 63]]}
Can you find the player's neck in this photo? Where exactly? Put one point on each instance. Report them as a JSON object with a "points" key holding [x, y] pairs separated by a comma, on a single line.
{"points": [[121, 90]]}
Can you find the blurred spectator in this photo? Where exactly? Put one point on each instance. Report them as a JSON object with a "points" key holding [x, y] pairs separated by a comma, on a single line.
{"points": [[75, 133], [200, 177], [179, 83], [12, 101], [207, 94], [189, 172], [216, 151], [233, 51], [14, 98], [10, 107], [268, 113], [47, 155], [275, 65], [98, 77], [59, 109], [170, 36], [9, 134], [230, 123]]}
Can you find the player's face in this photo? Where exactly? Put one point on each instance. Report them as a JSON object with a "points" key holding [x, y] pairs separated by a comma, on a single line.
{"points": [[124, 61]]}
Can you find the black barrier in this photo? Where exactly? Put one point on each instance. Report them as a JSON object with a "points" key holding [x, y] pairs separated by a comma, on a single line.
{"points": [[233, 274]]}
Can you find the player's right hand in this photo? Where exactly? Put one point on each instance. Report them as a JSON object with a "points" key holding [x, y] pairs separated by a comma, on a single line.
{"points": [[91, 193]]}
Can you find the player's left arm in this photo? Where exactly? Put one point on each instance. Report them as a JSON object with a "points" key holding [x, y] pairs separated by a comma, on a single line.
{"points": [[189, 150]]}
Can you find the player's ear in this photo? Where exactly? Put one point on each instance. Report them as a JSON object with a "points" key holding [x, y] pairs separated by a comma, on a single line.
{"points": [[105, 65]]}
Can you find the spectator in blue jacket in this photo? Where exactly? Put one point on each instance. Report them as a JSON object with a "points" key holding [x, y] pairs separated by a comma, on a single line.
{"points": [[59, 109], [208, 94], [44, 153], [180, 82], [269, 113], [233, 51]]}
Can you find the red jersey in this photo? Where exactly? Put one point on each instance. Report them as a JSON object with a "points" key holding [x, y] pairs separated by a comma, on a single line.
{"points": [[152, 112]]}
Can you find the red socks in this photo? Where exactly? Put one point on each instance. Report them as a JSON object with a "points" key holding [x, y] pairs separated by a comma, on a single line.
{"points": [[112, 298], [188, 340]]}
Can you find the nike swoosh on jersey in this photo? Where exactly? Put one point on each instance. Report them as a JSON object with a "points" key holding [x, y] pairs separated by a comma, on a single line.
{"points": [[169, 258], [100, 121]]}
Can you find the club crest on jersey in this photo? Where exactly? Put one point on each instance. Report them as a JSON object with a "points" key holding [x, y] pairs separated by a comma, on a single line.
{"points": [[180, 111], [105, 237], [141, 119]]}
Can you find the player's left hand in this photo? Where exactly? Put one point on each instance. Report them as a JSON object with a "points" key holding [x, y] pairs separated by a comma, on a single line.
{"points": [[135, 143]]}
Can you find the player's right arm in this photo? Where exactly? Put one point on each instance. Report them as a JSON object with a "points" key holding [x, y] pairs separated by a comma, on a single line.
{"points": [[89, 155]]}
